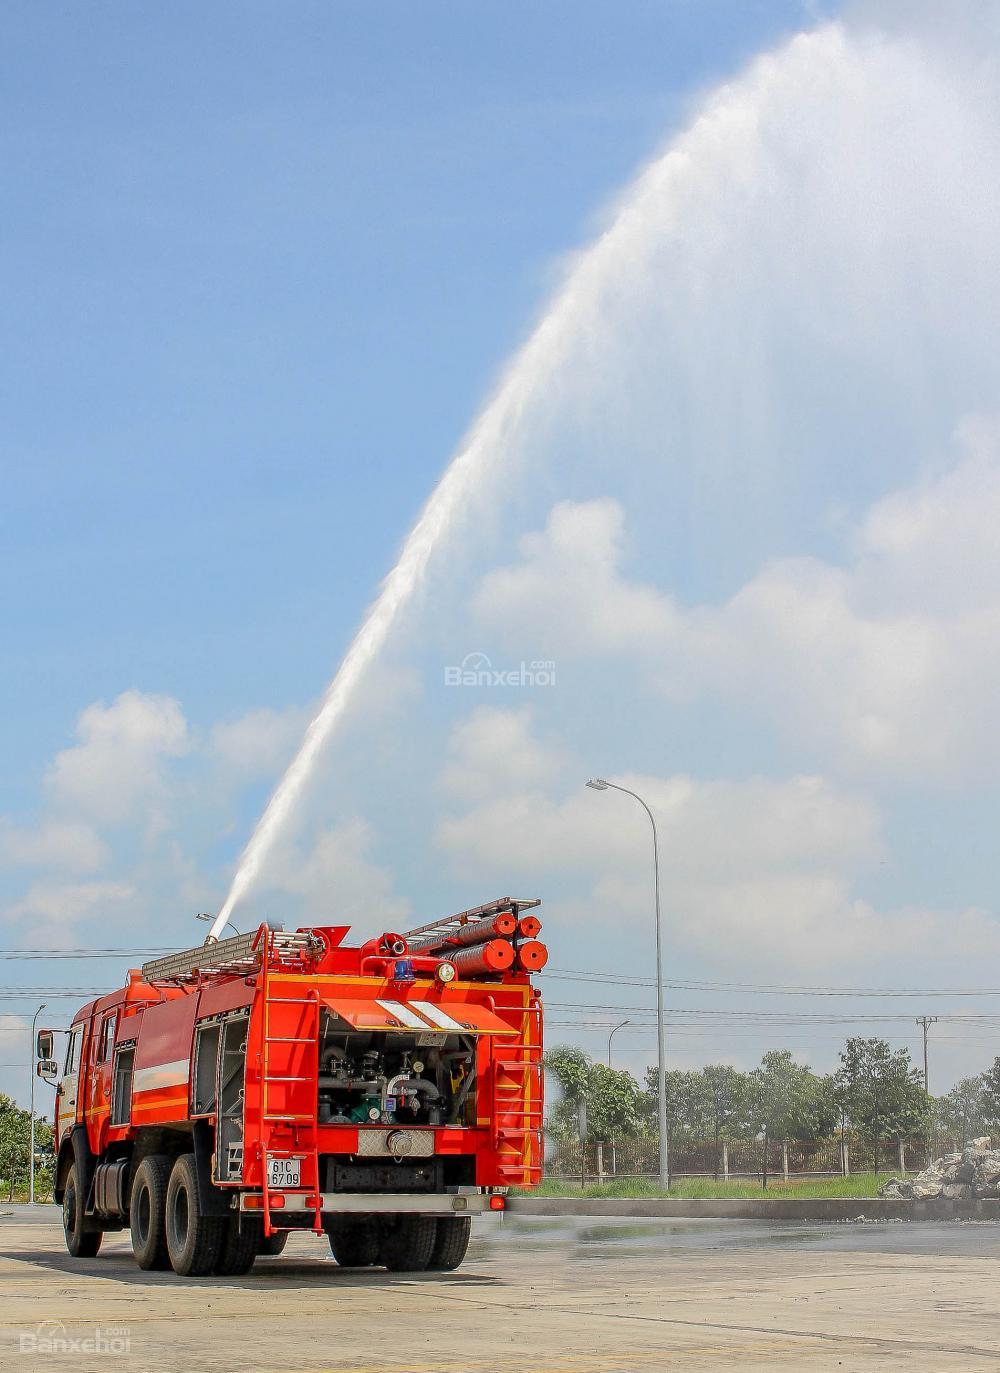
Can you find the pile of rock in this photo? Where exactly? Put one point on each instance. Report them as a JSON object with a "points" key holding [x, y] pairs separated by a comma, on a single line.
{"points": [[975, 1172]]}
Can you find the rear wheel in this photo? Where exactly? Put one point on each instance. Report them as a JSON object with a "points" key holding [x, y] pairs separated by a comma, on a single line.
{"points": [[407, 1243], [194, 1240], [147, 1212], [82, 1241], [451, 1242], [239, 1247], [270, 1246], [354, 1242]]}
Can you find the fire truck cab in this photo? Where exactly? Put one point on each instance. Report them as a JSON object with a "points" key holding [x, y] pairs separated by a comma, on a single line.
{"points": [[380, 1094]]}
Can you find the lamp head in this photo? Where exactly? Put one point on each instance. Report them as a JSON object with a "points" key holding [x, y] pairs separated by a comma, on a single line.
{"points": [[598, 784]]}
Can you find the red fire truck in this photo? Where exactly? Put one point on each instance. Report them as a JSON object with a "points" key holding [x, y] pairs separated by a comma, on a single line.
{"points": [[381, 1095]]}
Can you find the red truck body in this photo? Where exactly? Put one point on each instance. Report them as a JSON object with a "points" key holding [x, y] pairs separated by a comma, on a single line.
{"points": [[355, 1091]]}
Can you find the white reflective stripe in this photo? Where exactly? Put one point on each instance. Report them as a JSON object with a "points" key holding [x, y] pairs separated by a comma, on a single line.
{"points": [[436, 1016], [162, 1075], [403, 1013]]}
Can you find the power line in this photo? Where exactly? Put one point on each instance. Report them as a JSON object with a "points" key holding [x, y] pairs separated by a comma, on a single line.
{"points": [[767, 1017], [40, 955], [760, 988], [578, 975]]}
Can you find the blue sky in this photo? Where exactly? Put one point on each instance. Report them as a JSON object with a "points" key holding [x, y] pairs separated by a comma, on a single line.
{"points": [[262, 266]]}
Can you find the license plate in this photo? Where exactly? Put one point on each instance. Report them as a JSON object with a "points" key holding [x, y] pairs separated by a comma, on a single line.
{"points": [[283, 1172]]}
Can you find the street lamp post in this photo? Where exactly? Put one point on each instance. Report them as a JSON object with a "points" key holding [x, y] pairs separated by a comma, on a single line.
{"points": [[31, 1152], [206, 916], [599, 784], [612, 1035]]}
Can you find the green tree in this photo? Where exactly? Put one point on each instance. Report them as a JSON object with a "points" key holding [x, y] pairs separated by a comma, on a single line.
{"points": [[881, 1092], [728, 1091], [704, 1104], [784, 1100], [728, 1095], [15, 1137], [611, 1096], [991, 1095], [963, 1110], [688, 1106]]}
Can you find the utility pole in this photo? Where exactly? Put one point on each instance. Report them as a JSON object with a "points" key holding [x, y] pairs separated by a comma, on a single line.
{"points": [[32, 1057], [925, 1022], [599, 784]]}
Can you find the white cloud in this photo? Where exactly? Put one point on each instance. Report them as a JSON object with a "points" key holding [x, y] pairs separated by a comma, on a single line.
{"points": [[50, 911], [887, 663], [259, 743], [336, 881], [115, 771], [12, 1027], [730, 829], [567, 591], [759, 872], [494, 750], [67, 845]]}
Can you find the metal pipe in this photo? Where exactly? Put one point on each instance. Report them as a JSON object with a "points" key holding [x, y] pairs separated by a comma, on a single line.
{"points": [[531, 955], [501, 925], [495, 956]]}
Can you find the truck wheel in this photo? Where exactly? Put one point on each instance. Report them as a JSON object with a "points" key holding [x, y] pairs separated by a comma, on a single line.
{"points": [[81, 1241], [451, 1242], [147, 1212], [272, 1245], [239, 1247], [354, 1242], [194, 1240], [407, 1243]]}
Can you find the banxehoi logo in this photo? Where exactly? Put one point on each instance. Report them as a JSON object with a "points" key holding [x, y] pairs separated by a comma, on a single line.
{"points": [[51, 1338], [476, 670]]}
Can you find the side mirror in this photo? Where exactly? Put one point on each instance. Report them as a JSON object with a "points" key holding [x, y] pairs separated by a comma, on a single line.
{"points": [[44, 1044], [47, 1067]]}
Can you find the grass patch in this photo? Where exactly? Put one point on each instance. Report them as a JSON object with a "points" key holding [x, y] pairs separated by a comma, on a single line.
{"points": [[858, 1185]]}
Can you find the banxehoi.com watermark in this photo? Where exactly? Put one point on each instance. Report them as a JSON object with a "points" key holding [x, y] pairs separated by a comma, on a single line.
{"points": [[476, 670], [52, 1339]]}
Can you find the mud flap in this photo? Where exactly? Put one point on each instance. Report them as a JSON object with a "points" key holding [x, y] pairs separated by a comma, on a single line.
{"points": [[84, 1160], [212, 1200]]}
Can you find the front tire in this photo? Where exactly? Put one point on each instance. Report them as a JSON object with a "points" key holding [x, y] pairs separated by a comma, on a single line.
{"points": [[194, 1240], [270, 1246], [451, 1243], [81, 1241], [147, 1212], [407, 1243]]}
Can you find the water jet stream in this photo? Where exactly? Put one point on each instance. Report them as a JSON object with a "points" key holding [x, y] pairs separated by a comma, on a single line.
{"points": [[651, 207]]}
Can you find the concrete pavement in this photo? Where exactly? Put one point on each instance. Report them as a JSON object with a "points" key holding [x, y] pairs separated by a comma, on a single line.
{"points": [[564, 1294]]}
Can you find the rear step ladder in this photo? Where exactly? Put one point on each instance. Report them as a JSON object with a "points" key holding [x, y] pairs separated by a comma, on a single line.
{"points": [[517, 1102], [302, 1121]]}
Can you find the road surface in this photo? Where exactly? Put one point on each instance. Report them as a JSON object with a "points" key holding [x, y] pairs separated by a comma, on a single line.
{"points": [[539, 1294]]}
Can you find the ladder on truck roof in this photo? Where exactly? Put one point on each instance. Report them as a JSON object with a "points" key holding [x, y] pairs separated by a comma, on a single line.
{"points": [[240, 954], [451, 924]]}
